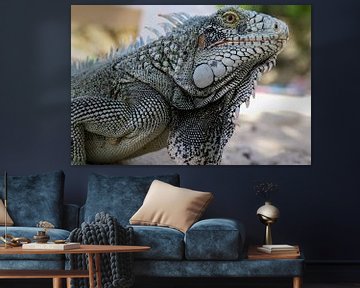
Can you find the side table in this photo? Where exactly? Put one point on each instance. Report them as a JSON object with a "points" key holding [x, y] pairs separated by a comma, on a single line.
{"points": [[289, 259], [92, 251]]}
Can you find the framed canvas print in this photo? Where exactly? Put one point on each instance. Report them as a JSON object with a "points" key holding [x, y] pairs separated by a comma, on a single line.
{"points": [[191, 85]]}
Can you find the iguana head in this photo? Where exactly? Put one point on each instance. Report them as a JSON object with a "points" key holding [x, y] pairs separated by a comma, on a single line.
{"points": [[218, 73], [216, 52]]}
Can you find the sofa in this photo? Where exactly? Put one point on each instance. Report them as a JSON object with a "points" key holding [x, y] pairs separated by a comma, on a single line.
{"points": [[32, 199], [209, 248]]}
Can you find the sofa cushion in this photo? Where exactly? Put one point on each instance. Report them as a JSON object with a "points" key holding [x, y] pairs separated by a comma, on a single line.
{"points": [[169, 206], [35, 198], [165, 243], [29, 232], [9, 221], [119, 196], [214, 239]]}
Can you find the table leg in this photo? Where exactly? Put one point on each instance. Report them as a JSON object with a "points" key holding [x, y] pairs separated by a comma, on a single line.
{"points": [[98, 270], [68, 282], [57, 283], [297, 282], [91, 270]]}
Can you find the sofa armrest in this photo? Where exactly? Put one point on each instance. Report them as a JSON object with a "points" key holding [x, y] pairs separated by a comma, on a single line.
{"points": [[71, 216], [215, 239]]}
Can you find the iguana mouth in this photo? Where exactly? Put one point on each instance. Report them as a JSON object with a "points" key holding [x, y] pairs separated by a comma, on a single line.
{"points": [[266, 40]]}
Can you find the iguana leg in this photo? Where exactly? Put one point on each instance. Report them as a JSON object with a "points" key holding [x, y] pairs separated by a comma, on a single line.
{"points": [[107, 131], [103, 116], [78, 156]]}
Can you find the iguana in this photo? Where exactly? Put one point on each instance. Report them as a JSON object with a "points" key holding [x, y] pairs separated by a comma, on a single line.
{"points": [[182, 90]]}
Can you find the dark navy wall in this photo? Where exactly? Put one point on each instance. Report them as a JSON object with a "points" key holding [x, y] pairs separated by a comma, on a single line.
{"points": [[318, 203]]}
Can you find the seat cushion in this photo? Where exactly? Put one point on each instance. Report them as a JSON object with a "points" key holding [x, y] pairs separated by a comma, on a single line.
{"points": [[121, 197], [29, 232], [214, 239], [35, 198], [165, 243]]}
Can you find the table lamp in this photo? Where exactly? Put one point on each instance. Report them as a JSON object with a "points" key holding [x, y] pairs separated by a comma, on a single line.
{"points": [[268, 214]]}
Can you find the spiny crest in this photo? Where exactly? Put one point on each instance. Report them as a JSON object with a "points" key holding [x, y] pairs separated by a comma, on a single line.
{"points": [[80, 65], [174, 20]]}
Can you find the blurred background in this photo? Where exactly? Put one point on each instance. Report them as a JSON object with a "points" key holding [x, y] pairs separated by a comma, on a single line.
{"points": [[274, 130]]}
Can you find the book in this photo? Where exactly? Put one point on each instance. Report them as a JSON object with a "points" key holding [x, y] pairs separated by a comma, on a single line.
{"points": [[255, 254], [51, 246], [278, 249]]}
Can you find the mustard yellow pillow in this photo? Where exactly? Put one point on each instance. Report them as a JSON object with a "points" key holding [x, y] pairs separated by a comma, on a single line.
{"points": [[10, 222], [170, 206]]}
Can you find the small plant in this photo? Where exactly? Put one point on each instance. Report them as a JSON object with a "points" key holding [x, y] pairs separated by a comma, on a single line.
{"points": [[265, 189], [45, 225]]}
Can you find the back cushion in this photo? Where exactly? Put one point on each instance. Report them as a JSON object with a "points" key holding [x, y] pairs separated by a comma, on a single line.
{"points": [[121, 197], [35, 198]]}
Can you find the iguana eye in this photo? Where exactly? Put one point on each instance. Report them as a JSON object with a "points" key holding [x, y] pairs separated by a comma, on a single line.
{"points": [[230, 17]]}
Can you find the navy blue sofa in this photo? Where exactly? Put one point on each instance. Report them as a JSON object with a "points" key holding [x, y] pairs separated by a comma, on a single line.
{"points": [[210, 248]]}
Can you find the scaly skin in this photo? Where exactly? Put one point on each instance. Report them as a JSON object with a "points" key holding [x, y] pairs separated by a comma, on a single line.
{"points": [[182, 90]]}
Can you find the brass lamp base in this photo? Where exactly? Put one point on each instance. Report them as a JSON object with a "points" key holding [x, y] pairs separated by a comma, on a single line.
{"points": [[268, 214], [268, 238]]}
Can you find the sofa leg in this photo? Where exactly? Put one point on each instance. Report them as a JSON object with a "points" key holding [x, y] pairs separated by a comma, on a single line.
{"points": [[297, 282], [57, 283], [68, 282]]}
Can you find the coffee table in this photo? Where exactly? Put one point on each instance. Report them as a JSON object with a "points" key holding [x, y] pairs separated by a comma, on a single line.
{"points": [[92, 251]]}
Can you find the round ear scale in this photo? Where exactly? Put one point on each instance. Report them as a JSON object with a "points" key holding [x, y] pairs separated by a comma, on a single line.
{"points": [[203, 76]]}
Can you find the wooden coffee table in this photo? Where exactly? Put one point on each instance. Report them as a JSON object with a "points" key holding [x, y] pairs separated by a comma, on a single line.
{"points": [[92, 251]]}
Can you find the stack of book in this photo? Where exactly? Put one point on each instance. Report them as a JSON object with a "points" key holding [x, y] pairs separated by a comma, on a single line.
{"points": [[274, 252], [279, 249]]}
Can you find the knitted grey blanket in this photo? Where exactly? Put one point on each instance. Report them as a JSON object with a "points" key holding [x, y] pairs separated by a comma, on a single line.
{"points": [[116, 268]]}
